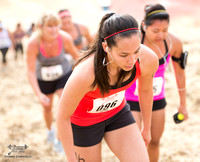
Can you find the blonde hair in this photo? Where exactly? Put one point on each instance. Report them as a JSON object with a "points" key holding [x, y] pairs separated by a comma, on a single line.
{"points": [[48, 19]]}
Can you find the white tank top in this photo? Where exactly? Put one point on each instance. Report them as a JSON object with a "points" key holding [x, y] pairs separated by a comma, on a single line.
{"points": [[5, 41]]}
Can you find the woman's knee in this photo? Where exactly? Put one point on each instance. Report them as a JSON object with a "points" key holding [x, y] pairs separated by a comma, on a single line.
{"points": [[47, 109], [155, 142]]}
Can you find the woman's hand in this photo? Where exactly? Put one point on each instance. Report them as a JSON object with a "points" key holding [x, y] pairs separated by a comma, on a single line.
{"points": [[183, 110], [146, 134], [44, 100]]}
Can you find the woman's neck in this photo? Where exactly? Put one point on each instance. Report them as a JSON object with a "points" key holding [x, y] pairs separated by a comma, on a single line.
{"points": [[47, 39], [70, 28], [113, 70]]}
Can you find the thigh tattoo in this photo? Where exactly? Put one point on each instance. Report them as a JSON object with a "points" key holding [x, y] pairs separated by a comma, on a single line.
{"points": [[79, 158]]}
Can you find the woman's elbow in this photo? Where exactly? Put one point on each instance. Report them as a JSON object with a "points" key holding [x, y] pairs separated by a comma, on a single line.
{"points": [[61, 119]]}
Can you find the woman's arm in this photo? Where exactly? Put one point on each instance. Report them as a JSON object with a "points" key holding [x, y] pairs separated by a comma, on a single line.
{"points": [[177, 50], [85, 32], [69, 45], [149, 65], [31, 56], [76, 87]]}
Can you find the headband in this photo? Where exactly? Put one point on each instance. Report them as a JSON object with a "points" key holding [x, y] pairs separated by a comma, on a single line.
{"points": [[64, 14], [120, 32], [153, 12]]}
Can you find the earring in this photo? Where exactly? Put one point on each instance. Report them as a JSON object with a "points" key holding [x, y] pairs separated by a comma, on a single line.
{"points": [[144, 27], [104, 60]]}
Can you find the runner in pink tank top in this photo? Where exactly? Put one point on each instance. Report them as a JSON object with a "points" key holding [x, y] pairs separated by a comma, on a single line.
{"points": [[93, 105], [158, 85], [155, 35]]}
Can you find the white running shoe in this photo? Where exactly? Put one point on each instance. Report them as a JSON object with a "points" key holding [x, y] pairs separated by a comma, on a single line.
{"points": [[58, 146], [50, 136]]}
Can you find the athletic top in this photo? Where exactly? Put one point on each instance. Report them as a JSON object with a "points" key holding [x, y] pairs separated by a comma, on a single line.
{"points": [[52, 68], [5, 41], [78, 40], [158, 80], [95, 108], [18, 37]]}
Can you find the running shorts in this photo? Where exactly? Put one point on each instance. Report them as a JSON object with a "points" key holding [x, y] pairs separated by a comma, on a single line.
{"points": [[85, 136], [157, 105], [49, 87]]}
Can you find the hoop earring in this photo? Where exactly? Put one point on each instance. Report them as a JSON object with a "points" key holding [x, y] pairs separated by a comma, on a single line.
{"points": [[104, 60]]}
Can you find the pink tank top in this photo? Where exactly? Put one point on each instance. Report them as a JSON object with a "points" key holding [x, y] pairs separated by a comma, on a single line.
{"points": [[158, 81], [158, 85]]}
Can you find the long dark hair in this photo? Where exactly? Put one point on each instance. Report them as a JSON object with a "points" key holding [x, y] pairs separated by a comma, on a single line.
{"points": [[151, 14], [110, 23]]}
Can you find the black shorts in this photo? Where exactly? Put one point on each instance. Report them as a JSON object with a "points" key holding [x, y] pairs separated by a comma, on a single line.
{"points": [[157, 105], [19, 47], [48, 87], [4, 52], [85, 136]]}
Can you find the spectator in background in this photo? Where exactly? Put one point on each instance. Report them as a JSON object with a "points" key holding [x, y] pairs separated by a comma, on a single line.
{"points": [[79, 32], [31, 29], [18, 35], [6, 41]]}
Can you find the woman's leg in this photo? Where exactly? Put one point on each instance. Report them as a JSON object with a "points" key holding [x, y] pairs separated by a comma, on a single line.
{"points": [[138, 118], [157, 128], [89, 154], [127, 144], [16, 51], [4, 52], [47, 112], [59, 92]]}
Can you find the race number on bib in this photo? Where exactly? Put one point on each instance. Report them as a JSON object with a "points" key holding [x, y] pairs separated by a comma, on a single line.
{"points": [[107, 103], [136, 88], [51, 73], [157, 86]]}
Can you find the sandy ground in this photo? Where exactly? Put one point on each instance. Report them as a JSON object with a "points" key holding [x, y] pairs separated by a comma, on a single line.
{"points": [[21, 119]]}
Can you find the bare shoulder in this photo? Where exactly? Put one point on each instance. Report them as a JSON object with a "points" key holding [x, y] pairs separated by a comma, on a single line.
{"points": [[83, 73], [33, 43], [148, 56], [174, 40], [148, 60], [83, 28], [174, 37], [65, 36], [175, 43]]}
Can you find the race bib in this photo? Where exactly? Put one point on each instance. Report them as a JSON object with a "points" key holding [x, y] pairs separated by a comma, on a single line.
{"points": [[136, 88], [51, 73], [157, 86], [107, 103]]}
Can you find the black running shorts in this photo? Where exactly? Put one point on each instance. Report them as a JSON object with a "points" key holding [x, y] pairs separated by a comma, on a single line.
{"points": [[49, 87], [157, 105], [85, 136]]}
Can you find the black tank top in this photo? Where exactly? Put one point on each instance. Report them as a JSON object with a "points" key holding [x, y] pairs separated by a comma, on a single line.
{"points": [[78, 40]]}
